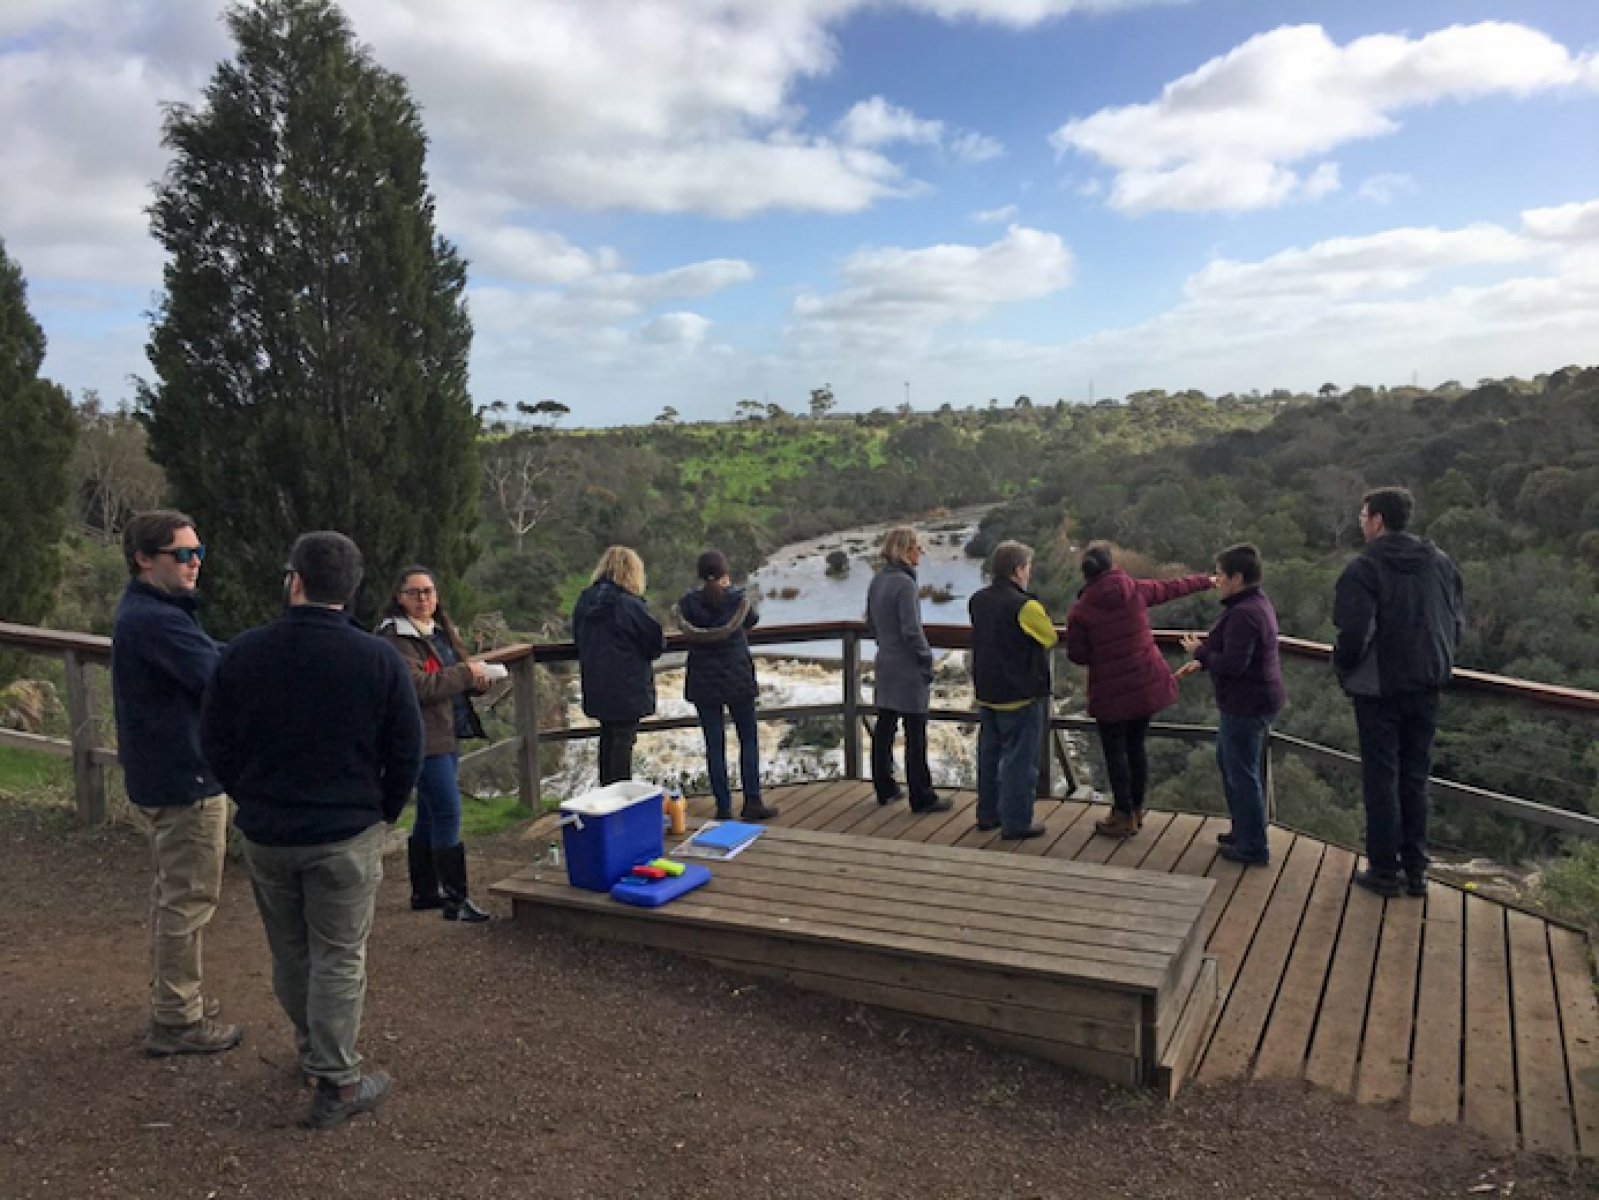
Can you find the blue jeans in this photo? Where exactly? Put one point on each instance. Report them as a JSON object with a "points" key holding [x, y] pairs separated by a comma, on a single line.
{"points": [[749, 751], [1396, 735], [1240, 742], [438, 802], [1007, 765]]}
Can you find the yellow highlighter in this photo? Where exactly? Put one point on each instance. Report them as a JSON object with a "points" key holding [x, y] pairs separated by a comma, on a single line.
{"points": [[667, 865]]}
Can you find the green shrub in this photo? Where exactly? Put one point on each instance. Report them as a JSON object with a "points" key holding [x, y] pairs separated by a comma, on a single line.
{"points": [[1570, 887]]}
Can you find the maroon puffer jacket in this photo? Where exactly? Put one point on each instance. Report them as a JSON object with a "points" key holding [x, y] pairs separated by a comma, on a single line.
{"points": [[1107, 630]]}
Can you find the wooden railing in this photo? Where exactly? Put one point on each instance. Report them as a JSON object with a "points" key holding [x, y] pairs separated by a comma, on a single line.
{"points": [[80, 653]]}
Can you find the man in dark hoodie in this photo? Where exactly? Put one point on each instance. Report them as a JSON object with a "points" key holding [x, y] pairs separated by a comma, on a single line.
{"points": [[1400, 612]]}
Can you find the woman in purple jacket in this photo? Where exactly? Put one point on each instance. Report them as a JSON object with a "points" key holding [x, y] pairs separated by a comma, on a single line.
{"points": [[1129, 682], [1240, 653]]}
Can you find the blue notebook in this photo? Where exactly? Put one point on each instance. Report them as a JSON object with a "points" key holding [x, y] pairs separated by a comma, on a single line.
{"points": [[721, 840]]}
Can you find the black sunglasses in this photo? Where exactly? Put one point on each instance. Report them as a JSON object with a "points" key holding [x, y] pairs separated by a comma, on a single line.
{"points": [[185, 554]]}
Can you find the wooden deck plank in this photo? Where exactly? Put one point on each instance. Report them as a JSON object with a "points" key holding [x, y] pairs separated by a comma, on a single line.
{"points": [[1543, 1093], [1385, 1056], [791, 909], [840, 797], [1435, 1056], [907, 826], [1287, 1039], [808, 801], [1579, 1021], [1079, 905], [1243, 1021], [966, 863], [1058, 823], [962, 910], [1133, 850], [1173, 843], [1070, 844], [1335, 1046], [1489, 1102], [1229, 936]]}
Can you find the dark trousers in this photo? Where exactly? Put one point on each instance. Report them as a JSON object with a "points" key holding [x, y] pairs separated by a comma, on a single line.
{"points": [[749, 752], [1125, 761], [1396, 735], [1240, 745], [917, 777], [616, 750]]}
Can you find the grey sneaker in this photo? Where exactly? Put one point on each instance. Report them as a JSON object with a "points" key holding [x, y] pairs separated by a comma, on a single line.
{"points": [[335, 1105], [205, 1036]]}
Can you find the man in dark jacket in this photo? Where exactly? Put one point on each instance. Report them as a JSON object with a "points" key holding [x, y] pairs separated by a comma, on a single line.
{"points": [[161, 661], [1240, 654], [1400, 612], [1011, 639], [314, 728]]}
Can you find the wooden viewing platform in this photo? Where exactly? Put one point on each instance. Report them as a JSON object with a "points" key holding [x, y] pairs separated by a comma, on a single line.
{"points": [[1100, 968], [1455, 1009]]}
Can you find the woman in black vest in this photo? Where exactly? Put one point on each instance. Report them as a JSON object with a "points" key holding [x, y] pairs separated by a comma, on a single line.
{"points": [[721, 675]]}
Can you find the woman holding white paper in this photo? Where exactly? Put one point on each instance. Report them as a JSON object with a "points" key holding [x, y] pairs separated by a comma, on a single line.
{"points": [[415, 622]]}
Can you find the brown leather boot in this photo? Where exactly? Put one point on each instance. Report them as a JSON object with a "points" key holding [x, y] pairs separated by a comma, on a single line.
{"points": [[1118, 824]]}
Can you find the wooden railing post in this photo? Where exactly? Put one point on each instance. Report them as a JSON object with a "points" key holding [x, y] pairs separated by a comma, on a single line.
{"points": [[525, 686], [88, 776], [852, 704]]}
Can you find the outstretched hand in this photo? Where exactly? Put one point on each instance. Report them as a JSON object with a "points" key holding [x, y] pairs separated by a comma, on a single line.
{"points": [[1187, 669]]}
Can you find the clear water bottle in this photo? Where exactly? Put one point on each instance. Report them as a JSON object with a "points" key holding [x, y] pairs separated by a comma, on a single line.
{"points": [[552, 856]]}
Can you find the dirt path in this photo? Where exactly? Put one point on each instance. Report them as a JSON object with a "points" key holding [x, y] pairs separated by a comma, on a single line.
{"points": [[535, 1065]]}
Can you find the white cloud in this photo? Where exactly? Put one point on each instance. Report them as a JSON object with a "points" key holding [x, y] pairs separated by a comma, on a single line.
{"points": [[1574, 223], [974, 148], [676, 328], [876, 122], [996, 216], [900, 297], [1386, 187], [1224, 136]]}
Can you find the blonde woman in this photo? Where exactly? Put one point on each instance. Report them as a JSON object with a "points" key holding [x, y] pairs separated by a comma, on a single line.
{"points": [[904, 672], [617, 640]]}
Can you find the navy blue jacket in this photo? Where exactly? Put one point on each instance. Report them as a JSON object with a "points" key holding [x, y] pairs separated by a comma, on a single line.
{"points": [[313, 726], [720, 669], [617, 639], [161, 661], [1240, 655], [1400, 611]]}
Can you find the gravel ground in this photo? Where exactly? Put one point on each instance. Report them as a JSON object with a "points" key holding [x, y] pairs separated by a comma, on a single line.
{"points": [[531, 1063]]}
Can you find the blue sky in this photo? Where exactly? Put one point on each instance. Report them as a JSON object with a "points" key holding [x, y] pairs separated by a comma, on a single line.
{"points": [[691, 202]]}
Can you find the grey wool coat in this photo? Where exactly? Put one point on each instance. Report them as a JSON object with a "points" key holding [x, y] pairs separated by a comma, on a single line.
{"points": [[904, 659]]}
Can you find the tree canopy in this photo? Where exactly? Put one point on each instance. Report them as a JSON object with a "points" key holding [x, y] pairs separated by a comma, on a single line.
{"points": [[37, 432], [310, 348]]}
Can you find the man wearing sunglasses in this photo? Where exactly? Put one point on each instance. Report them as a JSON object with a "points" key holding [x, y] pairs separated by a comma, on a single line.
{"points": [[161, 663]]}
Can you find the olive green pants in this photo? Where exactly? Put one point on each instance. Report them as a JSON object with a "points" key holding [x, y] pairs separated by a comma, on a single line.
{"points": [[316, 903]]}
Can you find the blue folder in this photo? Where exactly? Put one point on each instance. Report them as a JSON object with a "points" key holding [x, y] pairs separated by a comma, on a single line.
{"points": [[729, 835]]}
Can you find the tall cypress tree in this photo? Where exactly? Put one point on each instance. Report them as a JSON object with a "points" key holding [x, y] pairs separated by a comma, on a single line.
{"points": [[37, 435], [311, 344]]}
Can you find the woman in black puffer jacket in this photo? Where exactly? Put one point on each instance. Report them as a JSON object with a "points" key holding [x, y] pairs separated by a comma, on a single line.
{"points": [[617, 640], [721, 674]]}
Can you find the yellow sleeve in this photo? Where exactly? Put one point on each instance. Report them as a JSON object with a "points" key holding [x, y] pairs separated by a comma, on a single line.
{"points": [[1036, 624]]}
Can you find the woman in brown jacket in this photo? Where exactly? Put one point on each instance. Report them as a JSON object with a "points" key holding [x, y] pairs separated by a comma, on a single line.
{"points": [[417, 625]]}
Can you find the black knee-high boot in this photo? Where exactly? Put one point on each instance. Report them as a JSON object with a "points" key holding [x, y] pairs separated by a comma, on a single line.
{"points": [[424, 878], [450, 862]]}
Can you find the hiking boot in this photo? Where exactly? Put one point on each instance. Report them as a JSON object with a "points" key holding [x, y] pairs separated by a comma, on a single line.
{"points": [[205, 1036], [936, 804], [1021, 835], [754, 810], [987, 826], [1233, 854], [1138, 817], [1416, 883], [1381, 882], [333, 1105], [896, 794], [1225, 839], [1117, 825]]}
